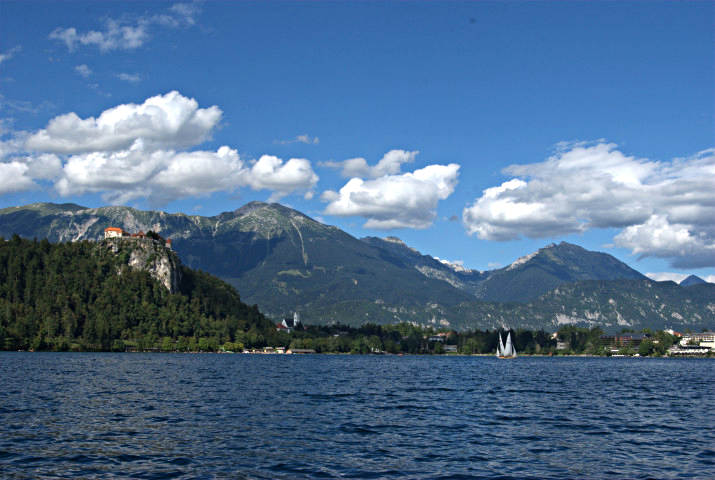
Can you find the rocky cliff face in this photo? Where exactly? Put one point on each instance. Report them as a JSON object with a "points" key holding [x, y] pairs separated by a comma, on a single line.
{"points": [[151, 256]]}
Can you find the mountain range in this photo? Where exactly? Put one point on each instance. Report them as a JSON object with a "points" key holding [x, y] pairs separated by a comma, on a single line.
{"points": [[284, 261]]}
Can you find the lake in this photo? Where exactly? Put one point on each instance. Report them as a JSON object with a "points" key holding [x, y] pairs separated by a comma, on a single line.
{"points": [[153, 416]]}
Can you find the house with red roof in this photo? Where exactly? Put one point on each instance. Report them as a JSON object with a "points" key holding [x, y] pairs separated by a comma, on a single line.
{"points": [[114, 232]]}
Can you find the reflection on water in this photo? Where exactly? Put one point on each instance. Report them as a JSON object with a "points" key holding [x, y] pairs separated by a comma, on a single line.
{"points": [[260, 416]]}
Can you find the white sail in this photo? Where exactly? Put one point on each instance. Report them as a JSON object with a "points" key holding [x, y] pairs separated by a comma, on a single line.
{"points": [[500, 347], [509, 350]]}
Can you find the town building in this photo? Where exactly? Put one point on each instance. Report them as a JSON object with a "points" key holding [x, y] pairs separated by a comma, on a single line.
{"points": [[703, 339], [624, 339]]}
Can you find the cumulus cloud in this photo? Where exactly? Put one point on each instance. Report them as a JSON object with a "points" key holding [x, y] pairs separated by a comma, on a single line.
{"points": [[162, 121], [395, 201], [658, 237], [14, 177], [162, 176], [664, 209], [389, 164], [83, 70], [138, 151], [18, 172], [271, 173], [159, 176], [118, 35]]}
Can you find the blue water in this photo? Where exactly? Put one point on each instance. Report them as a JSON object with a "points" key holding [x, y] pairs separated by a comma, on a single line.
{"points": [[268, 416]]}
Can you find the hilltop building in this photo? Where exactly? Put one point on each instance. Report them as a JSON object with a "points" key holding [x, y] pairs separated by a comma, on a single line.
{"points": [[116, 232]]}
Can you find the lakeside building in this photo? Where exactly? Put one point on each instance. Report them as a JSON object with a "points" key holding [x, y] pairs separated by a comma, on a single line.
{"points": [[623, 339], [703, 339], [680, 350]]}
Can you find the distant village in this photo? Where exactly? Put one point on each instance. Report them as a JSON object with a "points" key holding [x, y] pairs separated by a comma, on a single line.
{"points": [[616, 345]]}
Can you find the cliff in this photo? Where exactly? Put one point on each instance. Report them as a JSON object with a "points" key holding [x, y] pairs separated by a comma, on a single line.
{"points": [[146, 254]]}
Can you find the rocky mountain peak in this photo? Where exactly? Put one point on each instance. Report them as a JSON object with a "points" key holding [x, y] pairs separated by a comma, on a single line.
{"points": [[250, 207], [692, 280]]}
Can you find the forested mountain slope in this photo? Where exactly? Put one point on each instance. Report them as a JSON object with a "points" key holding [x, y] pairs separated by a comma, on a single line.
{"points": [[84, 295]]}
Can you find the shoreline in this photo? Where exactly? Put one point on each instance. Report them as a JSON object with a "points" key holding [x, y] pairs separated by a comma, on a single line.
{"points": [[484, 355]]}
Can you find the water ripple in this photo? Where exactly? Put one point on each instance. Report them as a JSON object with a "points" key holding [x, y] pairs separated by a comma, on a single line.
{"points": [[264, 417]]}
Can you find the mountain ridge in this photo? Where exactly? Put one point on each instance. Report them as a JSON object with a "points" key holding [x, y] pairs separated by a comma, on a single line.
{"points": [[285, 261]]}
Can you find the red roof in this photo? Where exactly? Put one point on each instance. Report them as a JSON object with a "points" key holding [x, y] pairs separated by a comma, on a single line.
{"points": [[113, 229]]}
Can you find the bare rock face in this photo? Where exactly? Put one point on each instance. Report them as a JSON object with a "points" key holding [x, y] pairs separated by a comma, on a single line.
{"points": [[151, 256]]}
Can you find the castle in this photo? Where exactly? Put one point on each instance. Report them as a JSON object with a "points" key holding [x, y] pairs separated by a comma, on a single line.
{"points": [[115, 232]]}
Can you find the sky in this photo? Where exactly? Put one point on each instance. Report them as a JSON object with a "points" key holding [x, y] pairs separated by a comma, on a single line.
{"points": [[477, 132]]}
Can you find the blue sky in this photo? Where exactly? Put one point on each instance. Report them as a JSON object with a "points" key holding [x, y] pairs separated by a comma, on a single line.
{"points": [[476, 132]]}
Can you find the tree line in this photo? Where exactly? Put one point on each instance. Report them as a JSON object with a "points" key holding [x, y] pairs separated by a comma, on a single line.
{"points": [[81, 296]]}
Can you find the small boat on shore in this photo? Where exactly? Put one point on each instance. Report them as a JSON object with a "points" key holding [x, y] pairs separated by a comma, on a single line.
{"points": [[506, 350]]}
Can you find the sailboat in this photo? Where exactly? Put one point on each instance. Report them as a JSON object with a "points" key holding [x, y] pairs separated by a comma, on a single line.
{"points": [[506, 350]]}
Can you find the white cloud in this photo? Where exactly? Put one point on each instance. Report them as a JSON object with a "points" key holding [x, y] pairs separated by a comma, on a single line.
{"points": [[118, 35], [14, 177], [46, 166], [395, 201], [12, 145], [271, 173], [17, 172], [389, 164], [162, 176], [665, 209], [137, 151], [163, 121], [83, 70], [114, 37], [189, 174], [129, 77], [657, 237], [9, 54], [305, 138]]}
